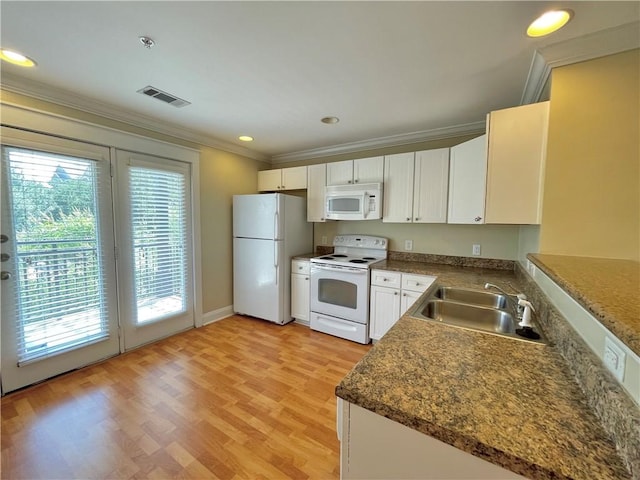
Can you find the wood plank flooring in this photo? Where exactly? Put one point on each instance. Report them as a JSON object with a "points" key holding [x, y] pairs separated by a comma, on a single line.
{"points": [[240, 398]]}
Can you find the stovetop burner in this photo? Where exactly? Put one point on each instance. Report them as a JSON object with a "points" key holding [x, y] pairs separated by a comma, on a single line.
{"points": [[356, 251]]}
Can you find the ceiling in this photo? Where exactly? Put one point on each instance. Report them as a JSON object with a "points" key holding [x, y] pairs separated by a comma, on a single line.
{"points": [[272, 70]]}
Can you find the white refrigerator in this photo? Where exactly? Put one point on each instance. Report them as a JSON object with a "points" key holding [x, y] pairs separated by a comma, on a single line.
{"points": [[268, 229]]}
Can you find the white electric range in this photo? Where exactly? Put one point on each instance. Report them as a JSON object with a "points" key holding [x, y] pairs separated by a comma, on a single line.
{"points": [[339, 298]]}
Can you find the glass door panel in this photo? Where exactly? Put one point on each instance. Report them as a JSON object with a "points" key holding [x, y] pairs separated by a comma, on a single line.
{"points": [[59, 310], [155, 245]]}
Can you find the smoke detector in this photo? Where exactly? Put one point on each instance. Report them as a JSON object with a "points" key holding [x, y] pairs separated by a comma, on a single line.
{"points": [[163, 96]]}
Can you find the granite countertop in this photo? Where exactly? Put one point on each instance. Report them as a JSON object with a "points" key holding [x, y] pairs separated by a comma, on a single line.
{"points": [[512, 403], [608, 288], [304, 256]]}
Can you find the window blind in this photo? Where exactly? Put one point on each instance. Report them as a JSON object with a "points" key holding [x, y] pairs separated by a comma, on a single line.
{"points": [[160, 234], [59, 283]]}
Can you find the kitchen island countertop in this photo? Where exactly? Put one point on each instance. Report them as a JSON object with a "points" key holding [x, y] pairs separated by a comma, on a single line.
{"points": [[512, 403]]}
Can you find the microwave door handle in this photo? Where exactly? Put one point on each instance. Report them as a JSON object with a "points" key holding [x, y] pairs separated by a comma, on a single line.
{"points": [[365, 208]]}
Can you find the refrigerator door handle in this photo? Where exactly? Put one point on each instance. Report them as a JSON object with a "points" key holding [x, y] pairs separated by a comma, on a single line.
{"points": [[275, 259], [276, 233]]}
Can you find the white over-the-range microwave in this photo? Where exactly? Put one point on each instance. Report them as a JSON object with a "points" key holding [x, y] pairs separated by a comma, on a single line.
{"points": [[353, 202]]}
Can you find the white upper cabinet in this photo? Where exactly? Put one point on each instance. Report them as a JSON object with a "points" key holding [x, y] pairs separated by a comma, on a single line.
{"points": [[317, 180], [416, 186], [398, 188], [431, 184], [467, 181], [362, 170], [269, 180], [294, 178], [516, 156]]}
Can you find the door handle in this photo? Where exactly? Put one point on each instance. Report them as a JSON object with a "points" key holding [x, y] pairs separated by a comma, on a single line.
{"points": [[5, 275]]}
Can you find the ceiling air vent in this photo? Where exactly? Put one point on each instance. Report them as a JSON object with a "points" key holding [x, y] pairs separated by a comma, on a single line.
{"points": [[163, 96]]}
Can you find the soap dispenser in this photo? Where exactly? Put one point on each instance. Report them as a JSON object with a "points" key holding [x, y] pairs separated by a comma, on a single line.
{"points": [[526, 330]]}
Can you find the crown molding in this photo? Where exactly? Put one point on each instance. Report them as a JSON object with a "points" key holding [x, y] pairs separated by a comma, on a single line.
{"points": [[593, 45], [586, 47], [58, 96], [537, 78], [382, 142]]}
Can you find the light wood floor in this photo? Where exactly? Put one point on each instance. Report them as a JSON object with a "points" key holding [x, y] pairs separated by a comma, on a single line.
{"points": [[240, 398]]}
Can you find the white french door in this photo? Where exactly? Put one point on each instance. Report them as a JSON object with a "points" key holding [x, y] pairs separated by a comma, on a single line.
{"points": [[58, 295], [154, 239], [96, 253]]}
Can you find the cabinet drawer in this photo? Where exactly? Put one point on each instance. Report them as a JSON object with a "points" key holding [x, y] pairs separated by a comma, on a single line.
{"points": [[416, 283], [300, 266], [384, 278]]}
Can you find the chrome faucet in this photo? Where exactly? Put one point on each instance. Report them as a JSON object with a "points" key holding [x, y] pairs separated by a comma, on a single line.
{"points": [[514, 297]]}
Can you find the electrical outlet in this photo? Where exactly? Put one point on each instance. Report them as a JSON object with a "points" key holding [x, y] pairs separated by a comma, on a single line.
{"points": [[324, 240], [531, 268], [408, 245], [614, 358], [476, 249]]}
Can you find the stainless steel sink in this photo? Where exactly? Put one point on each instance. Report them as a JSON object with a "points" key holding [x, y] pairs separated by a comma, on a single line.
{"points": [[473, 309], [474, 297], [470, 316]]}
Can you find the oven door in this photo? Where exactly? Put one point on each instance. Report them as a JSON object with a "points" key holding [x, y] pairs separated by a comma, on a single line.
{"points": [[340, 291]]}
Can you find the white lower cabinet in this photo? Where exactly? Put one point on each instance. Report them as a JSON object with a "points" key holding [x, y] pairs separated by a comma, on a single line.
{"points": [[392, 293], [374, 447], [300, 286]]}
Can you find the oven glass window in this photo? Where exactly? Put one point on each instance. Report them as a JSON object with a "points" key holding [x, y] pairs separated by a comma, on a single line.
{"points": [[345, 204], [338, 292]]}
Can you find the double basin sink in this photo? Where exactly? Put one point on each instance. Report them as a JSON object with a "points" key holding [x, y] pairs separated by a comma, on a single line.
{"points": [[473, 309]]}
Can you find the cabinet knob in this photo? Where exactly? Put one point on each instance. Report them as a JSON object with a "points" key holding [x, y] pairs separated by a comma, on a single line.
{"points": [[417, 218], [408, 219], [355, 181], [349, 181], [384, 280], [306, 278], [395, 293], [477, 219], [322, 219]]}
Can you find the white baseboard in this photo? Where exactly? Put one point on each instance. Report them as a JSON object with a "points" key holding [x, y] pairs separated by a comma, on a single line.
{"points": [[215, 315]]}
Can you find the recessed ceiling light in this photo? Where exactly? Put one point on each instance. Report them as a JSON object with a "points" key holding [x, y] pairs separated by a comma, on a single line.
{"points": [[16, 58], [245, 138], [330, 120], [549, 22]]}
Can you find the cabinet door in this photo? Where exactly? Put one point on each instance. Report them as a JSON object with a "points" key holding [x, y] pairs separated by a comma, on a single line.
{"points": [[515, 169], [300, 297], [294, 178], [368, 170], [269, 180], [340, 173], [398, 188], [467, 181], [316, 181], [431, 186], [408, 298], [385, 310]]}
